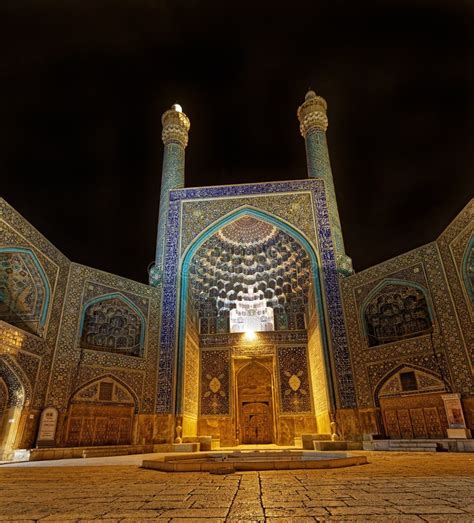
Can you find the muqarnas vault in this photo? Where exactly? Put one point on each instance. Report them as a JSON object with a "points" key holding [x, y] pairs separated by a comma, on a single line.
{"points": [[253, 328]]}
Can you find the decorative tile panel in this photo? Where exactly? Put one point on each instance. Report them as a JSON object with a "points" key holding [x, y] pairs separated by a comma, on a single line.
{"points": [[75, 366], [215, 382], [295, 393]]}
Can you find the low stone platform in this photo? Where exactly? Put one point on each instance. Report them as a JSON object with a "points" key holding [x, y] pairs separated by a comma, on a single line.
{"points": [[420, 445], [229, 462], [87, 452], [185, 447], [337, 445]]}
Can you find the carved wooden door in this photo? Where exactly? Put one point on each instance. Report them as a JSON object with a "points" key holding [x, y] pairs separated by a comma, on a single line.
{"points": [[416, 416], [391, 424], [433, 423], [404, 422], [256, 423], [99, 425], [418, 422]]}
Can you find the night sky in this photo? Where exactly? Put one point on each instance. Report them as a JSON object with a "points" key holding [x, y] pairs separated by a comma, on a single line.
{"points": [[82, 92]]}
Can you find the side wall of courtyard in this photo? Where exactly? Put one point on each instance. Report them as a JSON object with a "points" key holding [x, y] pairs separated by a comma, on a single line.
{"points": [[410, 325], [74, 338]]}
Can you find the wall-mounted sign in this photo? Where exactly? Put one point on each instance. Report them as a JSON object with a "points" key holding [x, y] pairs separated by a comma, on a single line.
{"points": [[453, 406], [47, 427]]}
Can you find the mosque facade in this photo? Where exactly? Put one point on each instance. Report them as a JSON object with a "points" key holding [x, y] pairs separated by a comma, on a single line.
{"points": [[253, 328]]}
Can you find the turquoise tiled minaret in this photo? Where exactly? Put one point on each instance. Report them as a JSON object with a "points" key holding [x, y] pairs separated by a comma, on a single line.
{"points": [[175, 138], [313, 125]]}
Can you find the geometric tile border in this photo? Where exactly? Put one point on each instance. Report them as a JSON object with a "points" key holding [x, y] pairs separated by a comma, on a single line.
{"points": [[329, 284]]}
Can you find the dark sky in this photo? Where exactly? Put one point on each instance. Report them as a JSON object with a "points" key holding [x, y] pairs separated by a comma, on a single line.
{"points": [[82, 92]]}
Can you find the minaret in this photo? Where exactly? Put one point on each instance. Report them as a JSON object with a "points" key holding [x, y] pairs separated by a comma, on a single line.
{"points": [[313, 124], [175, 138]]}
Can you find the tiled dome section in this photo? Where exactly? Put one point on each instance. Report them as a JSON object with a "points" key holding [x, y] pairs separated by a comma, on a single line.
{"points": [[249, 254], [247, 231]]}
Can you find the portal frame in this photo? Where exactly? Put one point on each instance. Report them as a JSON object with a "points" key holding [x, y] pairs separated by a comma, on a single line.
{"points": [[170, 365]]}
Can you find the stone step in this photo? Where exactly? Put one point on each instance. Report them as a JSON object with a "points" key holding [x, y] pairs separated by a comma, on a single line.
{"points": [[412, 449], [413, 445]]}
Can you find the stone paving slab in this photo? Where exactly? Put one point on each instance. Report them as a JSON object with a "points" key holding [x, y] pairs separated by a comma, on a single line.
{"points": [[405, 487]]}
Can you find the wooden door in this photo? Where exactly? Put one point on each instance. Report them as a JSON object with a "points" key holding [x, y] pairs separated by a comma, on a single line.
{"points": [[391, 424], [99, 425], [418, 421], [256, 423], [404, 422], [254, 403], [416, 416], [433, 422]]}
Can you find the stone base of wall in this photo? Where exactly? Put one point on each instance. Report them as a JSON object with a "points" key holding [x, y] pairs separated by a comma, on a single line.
{"points": [[418, 445], [352, 424], [86, 452]]}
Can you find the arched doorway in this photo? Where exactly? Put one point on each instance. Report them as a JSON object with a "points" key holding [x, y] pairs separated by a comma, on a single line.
{"points": [[252, 272], [100, 413], [411, 404], [12, 401], [255, 405]]}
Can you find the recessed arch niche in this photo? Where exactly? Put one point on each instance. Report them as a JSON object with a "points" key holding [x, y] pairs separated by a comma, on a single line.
{"points": [[112, 323], [248, 256], [14, 396], [24, 289], [396, 310], [411, 404], [101, 412], [255, 404]]}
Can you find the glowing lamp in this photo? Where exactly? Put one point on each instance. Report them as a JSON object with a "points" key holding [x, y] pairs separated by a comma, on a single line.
{"points": [[177, 108], [250, 335], [11, 340]]}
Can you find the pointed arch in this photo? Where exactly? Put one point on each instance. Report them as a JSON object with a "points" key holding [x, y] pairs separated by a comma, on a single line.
{"points": [[105, 377], [19, 386], [183, 278], [252, 363], [124, 299], [101, 412], [395, 370], [18, 396], [378, 289], [44, 287], [239, 212]]}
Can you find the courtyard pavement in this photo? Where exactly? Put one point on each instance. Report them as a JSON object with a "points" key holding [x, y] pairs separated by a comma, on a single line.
{"points": [[392, 487]]}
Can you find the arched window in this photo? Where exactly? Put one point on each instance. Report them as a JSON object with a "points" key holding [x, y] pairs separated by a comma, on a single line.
{"points": [[24, 290], [395, 311], [114, 324]]}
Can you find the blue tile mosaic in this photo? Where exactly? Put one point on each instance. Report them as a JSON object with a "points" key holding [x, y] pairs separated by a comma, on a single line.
{"points": [[167, 375]]}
